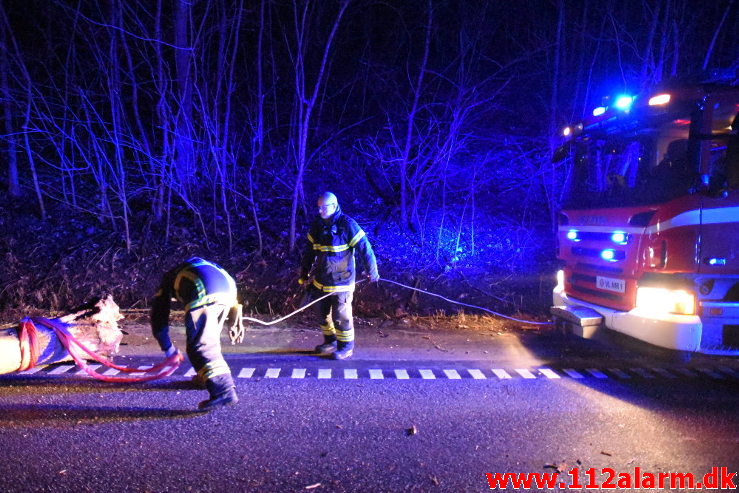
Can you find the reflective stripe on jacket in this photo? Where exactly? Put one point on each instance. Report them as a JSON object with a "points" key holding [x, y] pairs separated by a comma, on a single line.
{"points": [[195, 283], [330, 251]]}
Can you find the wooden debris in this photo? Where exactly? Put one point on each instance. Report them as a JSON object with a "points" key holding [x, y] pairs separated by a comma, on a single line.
{"points": [[94, 324]]}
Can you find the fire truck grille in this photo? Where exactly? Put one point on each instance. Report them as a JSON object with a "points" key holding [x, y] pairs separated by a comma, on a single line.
{"points": [[599, 269], [596, 293]]}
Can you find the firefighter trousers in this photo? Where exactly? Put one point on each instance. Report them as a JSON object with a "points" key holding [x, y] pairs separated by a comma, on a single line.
{"points": [[203, 326], [335, 313]]}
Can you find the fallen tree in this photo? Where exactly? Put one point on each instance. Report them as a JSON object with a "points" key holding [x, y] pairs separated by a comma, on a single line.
{"points": [[95, 324]]}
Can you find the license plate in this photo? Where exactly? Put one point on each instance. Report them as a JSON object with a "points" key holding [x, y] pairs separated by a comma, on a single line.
{"points": [[611, 284]]}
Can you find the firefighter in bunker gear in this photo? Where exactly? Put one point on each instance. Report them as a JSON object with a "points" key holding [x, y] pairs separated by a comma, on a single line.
{"points": [[332, 241], [208, 293]]}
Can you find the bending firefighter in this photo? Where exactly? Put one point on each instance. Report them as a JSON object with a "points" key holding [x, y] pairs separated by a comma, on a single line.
{"points": [[208, 293], [332, 241]]}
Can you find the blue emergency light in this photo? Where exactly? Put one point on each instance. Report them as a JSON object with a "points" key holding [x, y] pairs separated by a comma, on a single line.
{"points": [[619, 237], [608, 254], [624, 102]]}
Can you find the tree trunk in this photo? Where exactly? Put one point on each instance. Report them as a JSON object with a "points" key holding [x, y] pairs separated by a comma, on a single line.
{"points": [[94, 324]]}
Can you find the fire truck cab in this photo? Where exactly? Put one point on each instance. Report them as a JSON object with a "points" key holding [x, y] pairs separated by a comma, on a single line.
{"points": [[648, 233]]}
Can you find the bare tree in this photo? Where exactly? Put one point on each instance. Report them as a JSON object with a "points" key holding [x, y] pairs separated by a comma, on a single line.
{"points": [[306, 93]]}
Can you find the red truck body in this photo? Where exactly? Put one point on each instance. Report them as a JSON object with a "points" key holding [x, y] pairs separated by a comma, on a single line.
{"points": [[648, 235]]}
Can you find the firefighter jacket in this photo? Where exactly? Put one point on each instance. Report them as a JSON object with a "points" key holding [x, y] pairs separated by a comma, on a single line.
{"points": [[330, 251], [194, 283]]}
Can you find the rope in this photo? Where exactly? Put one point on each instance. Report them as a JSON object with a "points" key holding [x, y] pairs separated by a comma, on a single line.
{"points": [[289, 314], [73, 346], [401, 285], [467, 305]]}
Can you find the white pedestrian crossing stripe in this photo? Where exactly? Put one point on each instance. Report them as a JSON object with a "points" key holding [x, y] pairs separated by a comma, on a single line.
{"points": [[376, 374], [525, 373], [427, 374], [298, 373], [91, 367], [642, 372], [548, 373], [663, 372], [452, 374], [619, 373], [61, 369], [272, 373], [596, 373]]}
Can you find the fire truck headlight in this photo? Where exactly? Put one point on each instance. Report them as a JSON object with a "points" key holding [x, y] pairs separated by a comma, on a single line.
{"points": [[560, 280], [661, 300], [659, 99]]}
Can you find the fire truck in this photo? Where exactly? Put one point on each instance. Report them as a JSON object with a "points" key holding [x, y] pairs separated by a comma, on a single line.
{"points": [[648, 233]]}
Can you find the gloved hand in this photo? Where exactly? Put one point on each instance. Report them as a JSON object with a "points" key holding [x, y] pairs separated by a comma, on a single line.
{"points": [[374, 278], [169, 352], [302, 281]]}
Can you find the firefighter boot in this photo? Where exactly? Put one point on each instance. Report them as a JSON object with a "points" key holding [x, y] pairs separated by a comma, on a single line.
{"points": [[222, 393], [344, 350], [328, 346]]}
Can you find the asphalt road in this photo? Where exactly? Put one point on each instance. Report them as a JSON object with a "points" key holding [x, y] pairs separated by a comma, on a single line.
{"points": [[413, 411]]}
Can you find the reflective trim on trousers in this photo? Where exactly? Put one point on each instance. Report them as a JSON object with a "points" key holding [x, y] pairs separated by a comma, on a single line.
{"points": [[328, 329], [345, 335], [213, 369]]}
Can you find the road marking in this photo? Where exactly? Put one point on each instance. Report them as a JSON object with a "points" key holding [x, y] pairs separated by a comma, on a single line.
{"points": [[642, 372], [663, 372], [715, 373], [728, 370], [61, 369], [549, 373], [596, 373], [686, 372], [710, 373], [525, 373], [619, 373], [91, 367]]}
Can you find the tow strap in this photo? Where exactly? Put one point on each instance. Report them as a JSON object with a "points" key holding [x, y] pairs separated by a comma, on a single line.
{"points": [[237, 331], [28, 337]]}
